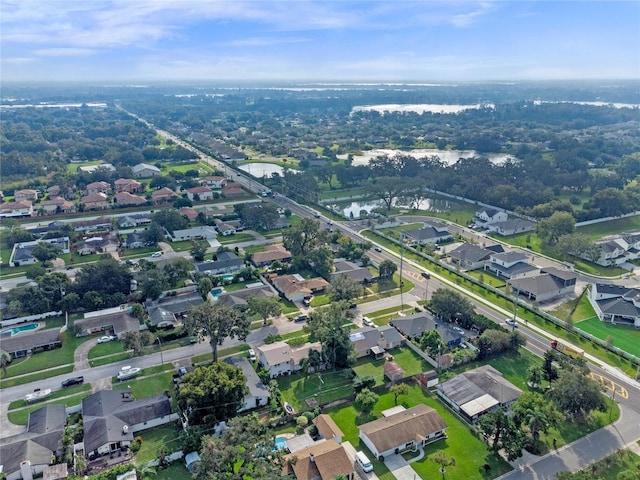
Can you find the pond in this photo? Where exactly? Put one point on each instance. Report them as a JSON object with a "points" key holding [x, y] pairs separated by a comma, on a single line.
{"points": [[449, 157], [355, 209]]}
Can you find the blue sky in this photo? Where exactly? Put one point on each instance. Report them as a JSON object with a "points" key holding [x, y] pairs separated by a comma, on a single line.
{"points": [[297, 40]]}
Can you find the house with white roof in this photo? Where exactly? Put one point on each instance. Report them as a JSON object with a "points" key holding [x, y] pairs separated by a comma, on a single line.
{"points": [[144, 170], [280, 359]]}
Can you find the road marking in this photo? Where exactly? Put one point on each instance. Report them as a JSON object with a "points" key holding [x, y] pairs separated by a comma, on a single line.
{"points": [[610, 385]]}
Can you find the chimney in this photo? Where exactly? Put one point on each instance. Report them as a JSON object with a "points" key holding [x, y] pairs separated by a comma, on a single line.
{"points": [[312, 459], [125, 429], [25, 470]]}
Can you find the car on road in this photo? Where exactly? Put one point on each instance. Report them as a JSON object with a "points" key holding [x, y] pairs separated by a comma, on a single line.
{"points": [[70, 382], [252, 355], [426, 275], [106, 338], [511, 322], [156, 254], [368, 322], [301, 318], [458, 330], [377, 249]]}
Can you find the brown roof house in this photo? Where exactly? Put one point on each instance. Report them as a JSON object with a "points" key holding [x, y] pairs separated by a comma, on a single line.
{"points": [[294, 287], [164, 194], [402, 430], [128, 185], [98, 187], [321, 461], [117, 320], [200, 193], [233, 190], [95, 201], [327, 428], [57, 205], [25, 194], [271, 254], [126, 198], [23, 208], [214, 181]]}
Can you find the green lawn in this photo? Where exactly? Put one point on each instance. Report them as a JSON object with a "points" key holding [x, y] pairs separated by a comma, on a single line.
{"points": [[97, 362], [470, 452], [57, 394], [610, 467], [297, 388], [410, 362], [107, 348], [175, 471], [12, 382], [21, 416], [624, 337], [152, 439], [235, 238], [599, 230], [149, 386]]}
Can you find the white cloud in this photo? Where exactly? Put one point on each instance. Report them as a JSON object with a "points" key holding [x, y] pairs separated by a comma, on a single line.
{"points": [[65, 52]]}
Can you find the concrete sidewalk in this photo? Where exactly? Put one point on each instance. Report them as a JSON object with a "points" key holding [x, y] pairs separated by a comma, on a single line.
{"points": [[400, 468]]}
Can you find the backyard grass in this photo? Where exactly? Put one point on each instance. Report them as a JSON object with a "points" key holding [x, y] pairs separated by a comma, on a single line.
{"points": [[470, 452], [599, 230], [152, 439], [325, 387], [625, 337], [175, 471], [410, 362]]}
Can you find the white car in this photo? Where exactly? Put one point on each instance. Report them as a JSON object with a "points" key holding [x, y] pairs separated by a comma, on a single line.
{"points": [[105, 339], [368, 322], [458, 330], [156, 254], [252, 354], [511, 322]]}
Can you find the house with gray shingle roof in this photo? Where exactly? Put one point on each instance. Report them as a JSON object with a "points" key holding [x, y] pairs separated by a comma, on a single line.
{"points": [[258, 395], [616, 303], [351, 270], [510, 265], [470, 256], [227, 262], [412, 326], [550, 283]]}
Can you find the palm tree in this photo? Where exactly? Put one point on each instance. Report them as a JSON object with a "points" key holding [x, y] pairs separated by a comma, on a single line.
{"points": [[536, 420], [5, 359], [145, 470]]}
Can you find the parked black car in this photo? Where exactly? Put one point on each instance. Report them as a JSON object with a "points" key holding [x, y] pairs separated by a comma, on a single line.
{"points": [[69, 382]]}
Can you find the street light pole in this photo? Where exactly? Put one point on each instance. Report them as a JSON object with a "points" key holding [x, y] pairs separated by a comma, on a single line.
{"points": [[161, 356], [401, 262]]}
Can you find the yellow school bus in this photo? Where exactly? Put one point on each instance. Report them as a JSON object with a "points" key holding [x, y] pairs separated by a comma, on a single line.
{"points": [[574, 352]]}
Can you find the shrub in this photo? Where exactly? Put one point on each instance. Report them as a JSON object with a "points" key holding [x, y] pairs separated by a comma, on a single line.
{"points": [[302, 421]]}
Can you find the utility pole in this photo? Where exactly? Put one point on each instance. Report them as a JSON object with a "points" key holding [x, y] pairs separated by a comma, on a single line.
{"points": [[401, 262], [515, 309], [161, 356]]}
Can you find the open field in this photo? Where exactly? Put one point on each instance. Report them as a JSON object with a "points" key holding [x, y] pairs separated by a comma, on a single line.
{"points": [[624, 337]]}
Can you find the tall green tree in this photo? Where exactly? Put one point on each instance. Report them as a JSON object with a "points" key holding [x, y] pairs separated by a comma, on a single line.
{"points": [[366, 400], [217, 322], [397, 390], [212, 394], [576, 395], [386, 269], [448, 304], [558, 224], [344, 287], [198, 250], [328, 326], [45, 251], [303, 237], [444, 460], [265, 307]]}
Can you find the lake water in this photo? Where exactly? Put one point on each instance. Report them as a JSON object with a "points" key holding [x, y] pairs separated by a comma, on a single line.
{"points": [[261, 170], [449, 157], [354, 209], [419, 108]]}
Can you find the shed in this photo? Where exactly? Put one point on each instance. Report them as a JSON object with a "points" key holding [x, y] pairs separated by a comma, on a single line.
{"points": [[393, 371], [192, 460]]}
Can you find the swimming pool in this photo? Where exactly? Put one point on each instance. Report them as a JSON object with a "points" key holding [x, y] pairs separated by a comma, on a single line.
{"points": [[13, 331], [214, 292], [227, 276], [281, 443]]}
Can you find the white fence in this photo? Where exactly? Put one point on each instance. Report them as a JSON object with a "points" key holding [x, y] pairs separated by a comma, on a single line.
{"points": [[30, 318], [606, 219]]}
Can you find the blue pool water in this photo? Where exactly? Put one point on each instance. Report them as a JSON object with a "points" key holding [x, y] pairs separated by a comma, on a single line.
{"points": [[214, 292], [227, 276], [16, 330], [280, 443]]}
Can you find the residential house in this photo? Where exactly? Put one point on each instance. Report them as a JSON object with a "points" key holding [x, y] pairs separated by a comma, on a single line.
{"points": [[612, 252], [271, 254], [295, 288], [102, 244], [374, 341], [431, 232], [134, 220], [170, 311], [471, 256], [214, 181], [280, 359], [412, 326], [224, 228], [511, 227], [351, 270], [98, 187], [478, 391], [111, 418], [616, 303], [116, 321], [54, 191], [94, 225], [549, 284], [200, 193], [128, 185], [144, 170], [134, 240], [238, 298], [95, 201], [189, 212], [510, 265], [23, 208], [259, 394], [57, 205], [163, 195], [22, 253], [196, 233], [327, 428], [402, 430], [320, 461], [25, 194], [28, 343], [126, 198], [27, 454], [227, 262], [487, 216], [233, 190]]}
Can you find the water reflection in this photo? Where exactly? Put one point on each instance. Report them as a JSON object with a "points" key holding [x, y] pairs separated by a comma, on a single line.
{"points": [[361, 209]]}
